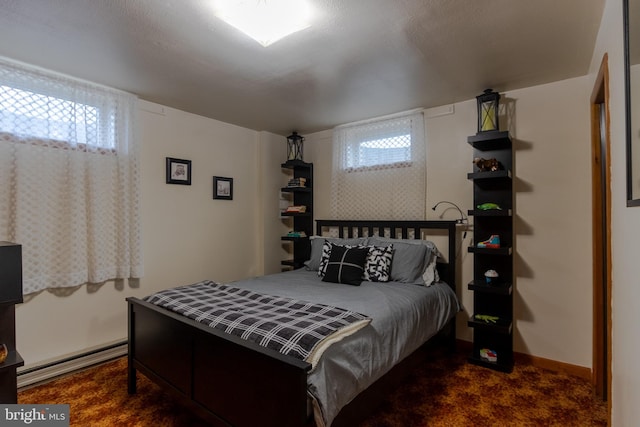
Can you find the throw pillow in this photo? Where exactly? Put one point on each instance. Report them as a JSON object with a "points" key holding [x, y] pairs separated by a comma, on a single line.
{"points": [[324, 259], [326, 251], [346, 265], [378, 266], [317, 244]]}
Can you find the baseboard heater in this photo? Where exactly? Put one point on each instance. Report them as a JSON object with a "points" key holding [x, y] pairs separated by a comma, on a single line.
{"points": [[49, 371]]}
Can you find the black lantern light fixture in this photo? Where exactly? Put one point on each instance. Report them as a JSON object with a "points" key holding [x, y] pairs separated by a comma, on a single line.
{"points": [[294, 147], [488, 111]]}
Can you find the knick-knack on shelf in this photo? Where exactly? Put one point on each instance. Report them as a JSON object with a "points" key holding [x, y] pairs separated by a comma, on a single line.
{"points": [[4, 352], [486, 165]]}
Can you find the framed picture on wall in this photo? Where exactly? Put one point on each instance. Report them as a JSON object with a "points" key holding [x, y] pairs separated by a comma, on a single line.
{"points": [[222, 188], [178, 171]]}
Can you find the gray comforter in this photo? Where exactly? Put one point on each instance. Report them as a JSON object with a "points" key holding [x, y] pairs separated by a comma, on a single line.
{"points": [[404, 317]]}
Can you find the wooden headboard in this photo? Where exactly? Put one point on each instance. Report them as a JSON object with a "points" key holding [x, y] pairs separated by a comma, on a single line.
{"points": [[399, 230]]}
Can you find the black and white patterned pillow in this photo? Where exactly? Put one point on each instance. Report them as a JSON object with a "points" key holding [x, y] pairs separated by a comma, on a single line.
{"points": [[378, 267], [326, 253], [346, 265], [324, 259]]}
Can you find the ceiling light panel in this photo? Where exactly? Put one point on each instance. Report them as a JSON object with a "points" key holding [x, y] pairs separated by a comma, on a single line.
{"points": [[265, 21]]}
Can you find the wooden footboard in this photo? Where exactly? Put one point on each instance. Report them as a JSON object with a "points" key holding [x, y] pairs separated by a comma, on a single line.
{"points": [[230, 381]]}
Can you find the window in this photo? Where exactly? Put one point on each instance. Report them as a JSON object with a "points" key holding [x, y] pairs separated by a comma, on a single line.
{"points": [[379, 169], [69, 178], [392, 151], [379, 144], [33, 115]]}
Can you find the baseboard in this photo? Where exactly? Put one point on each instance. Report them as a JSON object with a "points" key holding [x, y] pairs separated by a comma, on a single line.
{"points": [[553, 365], [539, 362], [57, 368]]}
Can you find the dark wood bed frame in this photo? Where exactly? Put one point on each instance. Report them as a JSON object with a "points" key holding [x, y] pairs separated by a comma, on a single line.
{"points": [[232, 382]]}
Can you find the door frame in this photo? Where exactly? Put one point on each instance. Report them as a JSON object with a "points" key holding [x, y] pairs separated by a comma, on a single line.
{"points": [[601, 217]]}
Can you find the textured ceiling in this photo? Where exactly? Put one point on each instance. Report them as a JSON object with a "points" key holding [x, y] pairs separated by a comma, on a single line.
{"points": [[360, 59]]}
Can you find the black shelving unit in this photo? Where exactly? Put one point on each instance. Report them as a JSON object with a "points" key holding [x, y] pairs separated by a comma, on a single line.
{"points": [[492, 320], [10, 295], [299, 222]]}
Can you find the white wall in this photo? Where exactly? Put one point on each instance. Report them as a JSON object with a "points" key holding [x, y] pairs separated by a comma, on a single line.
{"points": [[553, 300], [550, 126], [187, 236], [625, 223], [449, 159]]}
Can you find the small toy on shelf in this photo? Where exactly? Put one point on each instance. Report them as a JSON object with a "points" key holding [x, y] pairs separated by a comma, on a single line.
{"points": [[297, 183], [488, 206], [296, 209], [3, 353], [491, 277], [488, 355], [492, 242], [487, 318], [486, 165]]}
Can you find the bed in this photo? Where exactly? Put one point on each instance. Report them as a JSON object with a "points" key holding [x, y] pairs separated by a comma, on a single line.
{"points": [[230, 381]]}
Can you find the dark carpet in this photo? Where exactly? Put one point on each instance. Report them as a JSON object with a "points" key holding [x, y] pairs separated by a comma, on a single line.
{"points": [[445, 391]]}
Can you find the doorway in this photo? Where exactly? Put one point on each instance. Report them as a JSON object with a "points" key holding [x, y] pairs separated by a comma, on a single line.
{"points": [[601, 214]]}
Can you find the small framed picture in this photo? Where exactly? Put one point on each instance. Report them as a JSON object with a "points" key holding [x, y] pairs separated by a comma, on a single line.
{"points": [[178, 171], [222, 188]]}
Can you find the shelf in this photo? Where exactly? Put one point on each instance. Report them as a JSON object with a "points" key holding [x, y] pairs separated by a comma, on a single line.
{"points": [[490, 212], [494, 140], [489, 251], [499, 174], [297, 193], [493, 299], [292, 164], [294, 238], [502, 326], [295, 214], [13, 360], [296, 189], [482, 286]]}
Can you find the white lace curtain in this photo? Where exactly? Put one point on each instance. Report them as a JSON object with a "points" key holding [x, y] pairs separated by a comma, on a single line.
{"points": [[69, 178], [379, 169]]}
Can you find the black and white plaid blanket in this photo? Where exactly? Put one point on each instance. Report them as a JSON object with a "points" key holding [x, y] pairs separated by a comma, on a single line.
{"points": [[297, 328]]}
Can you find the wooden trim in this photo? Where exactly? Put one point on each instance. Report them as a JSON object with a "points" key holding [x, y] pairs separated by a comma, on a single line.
{"points": [[600, 204], [597, 202], [601, 238], [539, 362], [553, 365]]}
